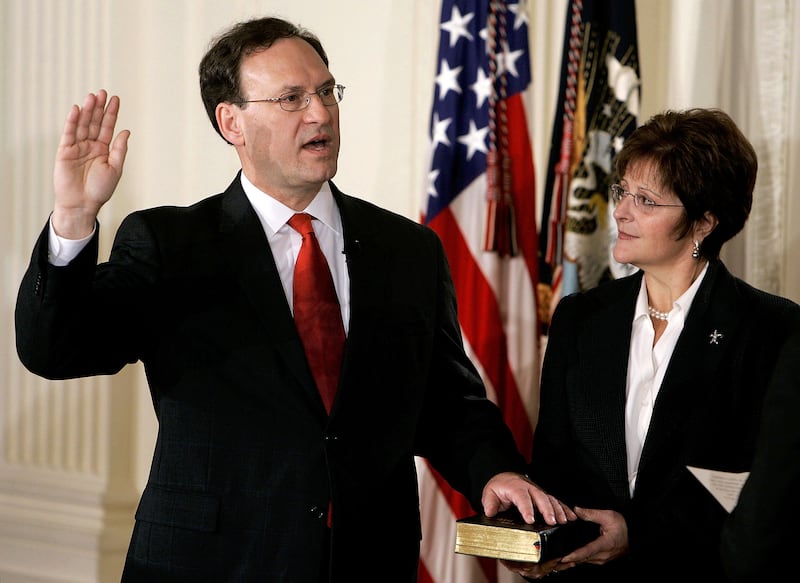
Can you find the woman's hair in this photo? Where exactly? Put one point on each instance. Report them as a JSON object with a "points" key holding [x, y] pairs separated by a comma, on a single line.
{"points": [[219, 68], [702, 157]]}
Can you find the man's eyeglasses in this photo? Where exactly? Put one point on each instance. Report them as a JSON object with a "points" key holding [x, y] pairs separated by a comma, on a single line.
{"points": [[617, 193], [299, 100]]}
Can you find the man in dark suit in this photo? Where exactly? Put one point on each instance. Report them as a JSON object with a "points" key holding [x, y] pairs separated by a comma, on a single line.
{"points": [[252, 478]]}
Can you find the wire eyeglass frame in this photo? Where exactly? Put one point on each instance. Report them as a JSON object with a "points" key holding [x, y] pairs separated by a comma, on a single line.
{"points": [[329, 96], [616, 193]]}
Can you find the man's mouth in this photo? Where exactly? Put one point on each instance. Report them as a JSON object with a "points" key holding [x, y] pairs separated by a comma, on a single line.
{"points": [[318, 143]]}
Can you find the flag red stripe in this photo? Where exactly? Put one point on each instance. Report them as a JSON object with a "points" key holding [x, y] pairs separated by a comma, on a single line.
{"points": [[423, 575], [523, 184]]}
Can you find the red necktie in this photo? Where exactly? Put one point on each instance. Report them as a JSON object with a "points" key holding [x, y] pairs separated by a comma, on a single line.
{"points": [[316, 311]]}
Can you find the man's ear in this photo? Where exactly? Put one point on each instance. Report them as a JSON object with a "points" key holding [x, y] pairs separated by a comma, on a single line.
{"points": [[228, 121]]}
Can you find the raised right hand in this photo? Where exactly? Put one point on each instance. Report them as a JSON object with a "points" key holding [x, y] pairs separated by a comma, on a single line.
{"points": [[88, 164]]}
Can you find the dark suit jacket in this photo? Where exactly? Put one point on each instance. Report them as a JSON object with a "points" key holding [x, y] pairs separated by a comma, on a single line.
{"points": [[706, 415], [246, 457], [760, 538]]}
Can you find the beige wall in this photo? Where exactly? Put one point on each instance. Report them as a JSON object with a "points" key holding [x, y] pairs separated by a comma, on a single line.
{"points": [[74, 455]]}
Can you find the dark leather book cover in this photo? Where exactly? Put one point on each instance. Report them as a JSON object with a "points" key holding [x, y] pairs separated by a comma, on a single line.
{"points": [[507, 536]]}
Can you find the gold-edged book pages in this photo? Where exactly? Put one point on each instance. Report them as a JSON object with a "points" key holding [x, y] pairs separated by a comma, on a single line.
{"points": [[507, 536]]}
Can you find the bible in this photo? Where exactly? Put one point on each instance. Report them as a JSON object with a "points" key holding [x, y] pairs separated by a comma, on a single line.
{"points": [[507, 536]]}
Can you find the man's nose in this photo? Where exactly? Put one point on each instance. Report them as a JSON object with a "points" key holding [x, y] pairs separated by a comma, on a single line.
{"points": [[316, 108]]}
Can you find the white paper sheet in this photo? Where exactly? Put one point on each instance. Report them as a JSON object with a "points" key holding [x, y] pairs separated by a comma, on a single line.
{"points": [[724, 486]]}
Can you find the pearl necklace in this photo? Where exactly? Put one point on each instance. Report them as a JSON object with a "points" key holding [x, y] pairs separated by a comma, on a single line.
{"points": [[656, 314]]}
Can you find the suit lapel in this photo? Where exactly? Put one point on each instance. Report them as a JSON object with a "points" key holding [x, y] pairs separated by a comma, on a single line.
{"points": [[606, 364], [699, 354], [365, 252], [248, 253]]}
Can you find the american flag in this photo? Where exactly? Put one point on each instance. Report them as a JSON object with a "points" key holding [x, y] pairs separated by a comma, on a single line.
{"points": [[598, 108], [481, 201]]}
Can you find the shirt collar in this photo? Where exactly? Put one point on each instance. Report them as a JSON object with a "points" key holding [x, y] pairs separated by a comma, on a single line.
{"points": [[683, 303], [274, 214]]}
